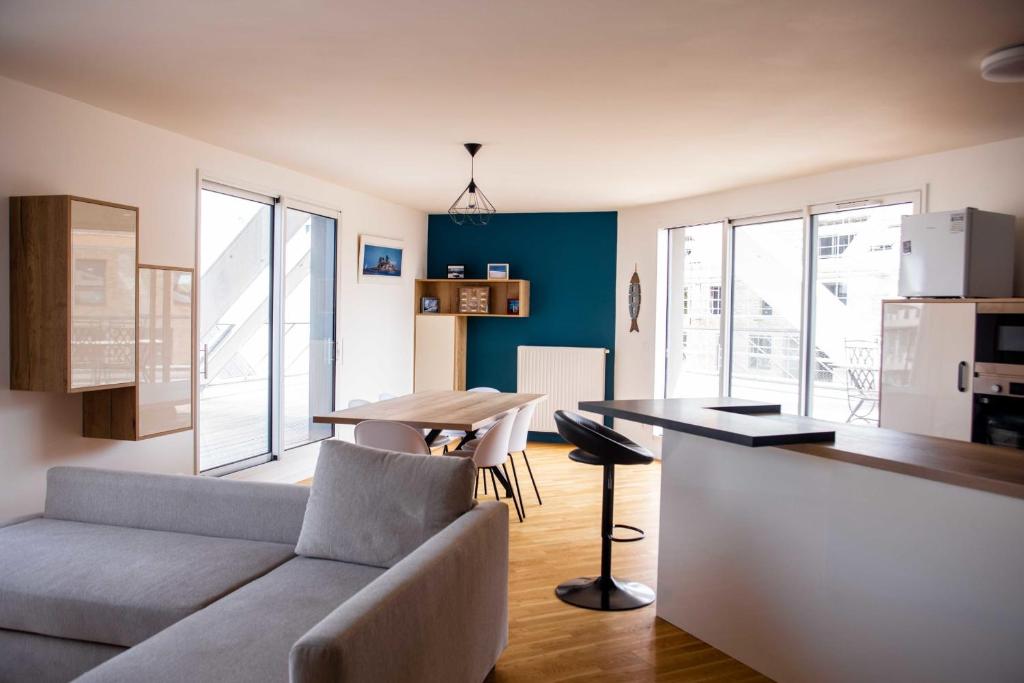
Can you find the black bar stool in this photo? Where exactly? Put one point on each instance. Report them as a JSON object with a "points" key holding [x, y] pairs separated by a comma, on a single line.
{"points": [[599, 445]]}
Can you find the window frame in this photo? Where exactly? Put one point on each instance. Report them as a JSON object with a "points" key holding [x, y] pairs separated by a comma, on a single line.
{"points": [[917, 197], [279, 203]]}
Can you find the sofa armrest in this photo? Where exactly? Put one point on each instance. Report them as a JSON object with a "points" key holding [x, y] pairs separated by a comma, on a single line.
{"points": [[440, 614]]}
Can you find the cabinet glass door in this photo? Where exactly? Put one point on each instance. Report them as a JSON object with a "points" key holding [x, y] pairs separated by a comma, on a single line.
{"points": [[165, 350], [102, 343]]}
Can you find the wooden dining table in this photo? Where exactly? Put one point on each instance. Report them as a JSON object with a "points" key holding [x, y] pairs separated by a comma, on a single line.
{"points": [[462, 411]]}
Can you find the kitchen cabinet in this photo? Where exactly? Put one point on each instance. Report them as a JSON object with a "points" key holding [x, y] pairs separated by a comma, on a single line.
{"points": [[928, 367]]}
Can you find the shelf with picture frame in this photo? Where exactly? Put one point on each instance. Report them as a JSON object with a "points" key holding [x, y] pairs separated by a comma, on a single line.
{"points": [[500, 294]]}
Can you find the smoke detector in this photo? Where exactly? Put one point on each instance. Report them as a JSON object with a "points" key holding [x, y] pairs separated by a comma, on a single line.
{"points": [[1005, 65]]}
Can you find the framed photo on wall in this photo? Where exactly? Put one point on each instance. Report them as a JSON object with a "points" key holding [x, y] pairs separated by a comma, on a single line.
{"points": [[380, 259]]}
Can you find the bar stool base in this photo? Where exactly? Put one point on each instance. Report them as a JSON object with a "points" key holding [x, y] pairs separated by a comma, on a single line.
{"points": [[606, 595]]}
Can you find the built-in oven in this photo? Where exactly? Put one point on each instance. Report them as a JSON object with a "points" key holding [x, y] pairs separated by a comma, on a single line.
{"points": [[998, 404], [999, 374]]}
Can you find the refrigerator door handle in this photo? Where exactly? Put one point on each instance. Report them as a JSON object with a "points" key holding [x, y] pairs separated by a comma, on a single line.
{"points": [[961, 369]]}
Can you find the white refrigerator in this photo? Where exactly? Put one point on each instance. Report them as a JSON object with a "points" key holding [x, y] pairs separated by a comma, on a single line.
{"points": [[962, 253]]}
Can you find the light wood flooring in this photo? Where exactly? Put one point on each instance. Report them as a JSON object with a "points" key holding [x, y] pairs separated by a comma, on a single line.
{"points": [[551, 642]]}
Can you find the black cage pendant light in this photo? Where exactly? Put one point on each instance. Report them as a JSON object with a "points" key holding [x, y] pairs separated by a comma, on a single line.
{"points": [[472, 206]]}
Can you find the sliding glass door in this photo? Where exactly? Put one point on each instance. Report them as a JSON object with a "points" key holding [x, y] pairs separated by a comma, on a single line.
{"points": [[856, 263], [308, 334], [267, 326], [767, 311], [794, 316], [236, 255]]}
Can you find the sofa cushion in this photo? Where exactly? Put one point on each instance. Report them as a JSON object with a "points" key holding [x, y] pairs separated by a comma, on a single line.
{"points": [[44, 659], [245, 636], [375, 507], [208, 506], [118, 585]]}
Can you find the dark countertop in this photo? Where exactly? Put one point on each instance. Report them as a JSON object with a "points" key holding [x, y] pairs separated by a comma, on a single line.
{"points": [[749, 423]]}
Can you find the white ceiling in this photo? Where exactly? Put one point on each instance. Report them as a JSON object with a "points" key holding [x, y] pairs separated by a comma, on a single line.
{"points": [[581, 104]]}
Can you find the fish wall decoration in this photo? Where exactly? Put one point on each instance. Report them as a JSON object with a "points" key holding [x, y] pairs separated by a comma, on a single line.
{"points": [[634, 300]]}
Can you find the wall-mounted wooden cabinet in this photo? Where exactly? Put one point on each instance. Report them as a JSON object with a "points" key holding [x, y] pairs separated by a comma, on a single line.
{"points": [[161, 402], [500, 292], [73, 293]]}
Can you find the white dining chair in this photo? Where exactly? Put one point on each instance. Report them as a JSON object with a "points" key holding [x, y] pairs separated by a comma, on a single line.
{"points": [[517, 444], [489, 453], [391, 436]]}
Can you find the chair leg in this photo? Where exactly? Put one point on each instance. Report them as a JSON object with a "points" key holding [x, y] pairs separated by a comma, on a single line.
{"points": [[476, 486], [515, 476], [494, 484], [535, 491], [517, 502], [485, 483]]}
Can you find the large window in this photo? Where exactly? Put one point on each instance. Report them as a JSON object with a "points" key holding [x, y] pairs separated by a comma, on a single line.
{"points": [[849, 286], [795, 318], [266, 326], [695, 311], [766, 311]]}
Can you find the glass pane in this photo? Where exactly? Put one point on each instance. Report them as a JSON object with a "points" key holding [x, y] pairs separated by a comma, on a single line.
{"points": [[857, 265], [103, 295], [236, 246], [165, 350], [694, 312], [308, 354], [767, 274]]}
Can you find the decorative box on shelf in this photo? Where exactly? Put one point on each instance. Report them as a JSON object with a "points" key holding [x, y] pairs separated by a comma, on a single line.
{"points": [[470, 298], [474, 299]]}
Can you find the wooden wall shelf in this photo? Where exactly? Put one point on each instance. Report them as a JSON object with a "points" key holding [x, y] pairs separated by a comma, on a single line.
{"points": [[447, 293]]}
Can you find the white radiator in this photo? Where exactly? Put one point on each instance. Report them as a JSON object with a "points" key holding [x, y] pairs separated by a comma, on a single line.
{"points": [[567, 374]]}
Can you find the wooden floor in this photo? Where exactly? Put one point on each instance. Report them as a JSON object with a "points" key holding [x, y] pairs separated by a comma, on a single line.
{"points": [[551, 641]]}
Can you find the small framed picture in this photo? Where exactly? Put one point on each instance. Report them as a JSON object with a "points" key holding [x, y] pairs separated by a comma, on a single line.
{"points": [[497, 271], [380, 259], [430, 304], [513, 306], [456, 272]]}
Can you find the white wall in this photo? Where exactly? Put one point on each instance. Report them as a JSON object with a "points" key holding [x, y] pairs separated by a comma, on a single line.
{"points": [[989, 177], [55, 145]]}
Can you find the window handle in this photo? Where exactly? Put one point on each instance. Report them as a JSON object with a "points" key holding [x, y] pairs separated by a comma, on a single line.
{"points": [[206, 366]]}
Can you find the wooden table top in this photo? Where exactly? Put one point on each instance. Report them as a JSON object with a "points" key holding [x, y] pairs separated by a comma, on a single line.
{"points": [[749, 423], [457, 410]]}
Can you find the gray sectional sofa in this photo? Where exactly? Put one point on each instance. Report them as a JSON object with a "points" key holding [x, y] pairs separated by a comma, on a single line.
{"points": [[387, 571]]}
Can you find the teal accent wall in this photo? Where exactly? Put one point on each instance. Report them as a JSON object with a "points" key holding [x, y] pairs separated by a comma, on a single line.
{"points": [[569, 259]]}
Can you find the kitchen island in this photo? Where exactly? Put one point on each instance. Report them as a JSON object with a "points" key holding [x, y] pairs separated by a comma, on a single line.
{"points": [[815, 551]]}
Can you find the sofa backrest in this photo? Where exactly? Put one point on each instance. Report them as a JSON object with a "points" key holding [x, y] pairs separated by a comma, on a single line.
{"points": [[206, 506]]}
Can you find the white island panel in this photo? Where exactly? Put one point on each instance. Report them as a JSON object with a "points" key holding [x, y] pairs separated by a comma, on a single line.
{"points": [[813, 569]]}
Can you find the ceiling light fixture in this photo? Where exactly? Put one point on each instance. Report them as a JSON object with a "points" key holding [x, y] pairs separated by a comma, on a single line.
{"points": [[472, 206], [1005, 65]]}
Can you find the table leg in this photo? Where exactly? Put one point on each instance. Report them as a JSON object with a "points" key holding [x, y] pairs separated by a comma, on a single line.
{"points": [[431, 435]]}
